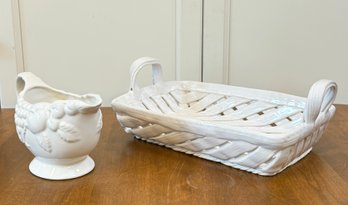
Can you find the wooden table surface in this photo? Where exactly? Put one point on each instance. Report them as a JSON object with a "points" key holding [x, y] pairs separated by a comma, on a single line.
{"points": [[129, 171]]}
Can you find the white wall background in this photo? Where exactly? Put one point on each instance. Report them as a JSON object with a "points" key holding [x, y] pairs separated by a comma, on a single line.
{"points": [[288, 45], [278, 45], [8, 69], [87, 46]]}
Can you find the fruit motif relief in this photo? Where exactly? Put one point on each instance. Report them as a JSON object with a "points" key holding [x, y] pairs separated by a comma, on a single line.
{"points": [[42, 119]]}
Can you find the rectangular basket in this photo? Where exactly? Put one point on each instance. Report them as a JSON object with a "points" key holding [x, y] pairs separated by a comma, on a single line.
{"points": [[259, 131]]}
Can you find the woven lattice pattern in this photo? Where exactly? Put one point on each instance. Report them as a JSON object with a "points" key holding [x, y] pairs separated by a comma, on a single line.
{"points": [[230, 110], [259, 131]]}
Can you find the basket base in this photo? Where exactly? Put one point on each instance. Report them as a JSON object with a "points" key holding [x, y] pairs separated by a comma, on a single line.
{"points": [[264, 173], [300, 157], [61, 169], [234, 165]]}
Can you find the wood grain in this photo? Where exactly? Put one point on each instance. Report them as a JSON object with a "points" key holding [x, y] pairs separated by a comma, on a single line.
{"points": [[129, 171]]}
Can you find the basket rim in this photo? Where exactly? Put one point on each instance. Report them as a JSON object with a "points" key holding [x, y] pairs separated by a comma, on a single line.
{"points": [[121, 105]]}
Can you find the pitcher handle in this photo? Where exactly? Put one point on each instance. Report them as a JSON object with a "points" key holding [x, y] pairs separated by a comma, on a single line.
{"points": [[27, 80]]}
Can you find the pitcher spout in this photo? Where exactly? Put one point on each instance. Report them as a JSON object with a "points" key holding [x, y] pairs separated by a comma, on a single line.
{"points": [[91, 103]]}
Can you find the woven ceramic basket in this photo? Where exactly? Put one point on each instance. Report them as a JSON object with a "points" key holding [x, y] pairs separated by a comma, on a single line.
{"points": [[259, 131]]}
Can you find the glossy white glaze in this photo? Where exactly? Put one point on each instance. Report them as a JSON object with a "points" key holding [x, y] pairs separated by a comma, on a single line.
{"points": [[58, 127], [254, 130]]}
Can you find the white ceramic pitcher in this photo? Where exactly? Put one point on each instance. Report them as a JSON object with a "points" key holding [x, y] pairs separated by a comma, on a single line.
{"points": [[58, 127]]}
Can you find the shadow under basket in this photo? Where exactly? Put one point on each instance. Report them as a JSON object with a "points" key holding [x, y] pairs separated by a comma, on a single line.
{"points": [[258, 131]]}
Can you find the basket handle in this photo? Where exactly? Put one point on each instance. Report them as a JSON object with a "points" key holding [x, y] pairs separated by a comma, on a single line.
{"points": [[320, 98], [137, 65]]}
